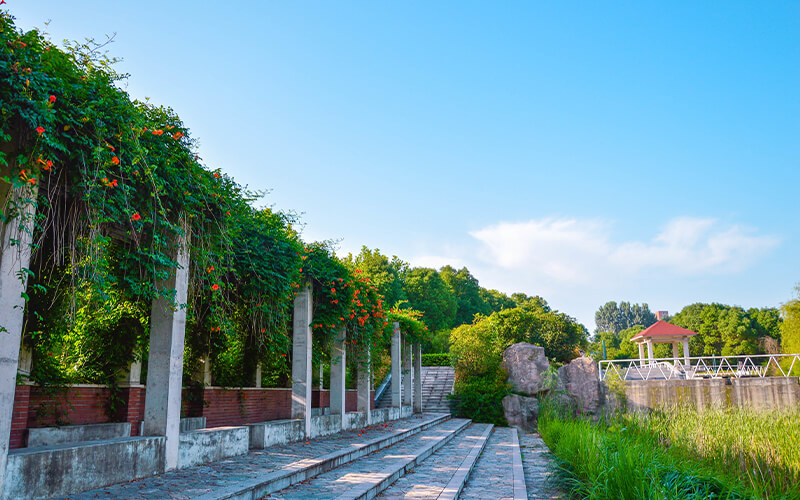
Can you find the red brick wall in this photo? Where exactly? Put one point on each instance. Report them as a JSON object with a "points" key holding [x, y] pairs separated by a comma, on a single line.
{"points": [[131, 408], [224, 407], [71, 406], [19, 416]]}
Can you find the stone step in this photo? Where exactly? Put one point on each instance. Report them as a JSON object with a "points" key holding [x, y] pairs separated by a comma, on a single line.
{"points": [[366, 477], [443, 475], [498, 473], [264, 471]]}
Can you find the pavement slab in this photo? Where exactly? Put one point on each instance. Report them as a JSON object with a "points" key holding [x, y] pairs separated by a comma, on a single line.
{"points": [[538, 464], [493, 475]]}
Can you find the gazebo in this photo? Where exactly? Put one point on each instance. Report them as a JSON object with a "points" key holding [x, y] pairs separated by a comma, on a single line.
{"points": [[662, 332]]}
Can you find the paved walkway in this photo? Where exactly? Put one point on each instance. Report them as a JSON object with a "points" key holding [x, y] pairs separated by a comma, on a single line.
{"points": [[537, 463], [195, 481], [493, 476]]}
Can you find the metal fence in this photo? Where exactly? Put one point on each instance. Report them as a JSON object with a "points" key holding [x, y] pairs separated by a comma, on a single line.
{"points": [[757, 365]]}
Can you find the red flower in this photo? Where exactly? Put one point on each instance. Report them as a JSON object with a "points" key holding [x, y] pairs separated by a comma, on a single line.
{"points": [[216, 174], [49, 164], [215, 287], [40, 130], [52, 98], [177, 135], [115, 160], [136, 216], [210, 268]]}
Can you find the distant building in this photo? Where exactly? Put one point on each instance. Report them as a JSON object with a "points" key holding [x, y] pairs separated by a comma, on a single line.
{"points": [[662, 315]]}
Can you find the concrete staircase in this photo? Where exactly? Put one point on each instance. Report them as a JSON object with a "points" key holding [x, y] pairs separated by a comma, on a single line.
{"points": [[437, 384]]}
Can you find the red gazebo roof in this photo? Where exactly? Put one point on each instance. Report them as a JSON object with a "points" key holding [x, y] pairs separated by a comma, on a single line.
{"points": [[663, 329]]}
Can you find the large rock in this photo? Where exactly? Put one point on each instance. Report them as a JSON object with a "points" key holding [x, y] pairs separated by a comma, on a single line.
{"points": [[525, 365], [581, 380], [521, 412]]}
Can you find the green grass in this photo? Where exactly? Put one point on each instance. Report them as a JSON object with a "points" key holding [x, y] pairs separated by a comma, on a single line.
{"points": [[677, 454]]}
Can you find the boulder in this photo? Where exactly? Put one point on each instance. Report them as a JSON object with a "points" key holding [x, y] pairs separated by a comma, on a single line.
{"points": [[525, 365], [581, 380], [521, 412]]}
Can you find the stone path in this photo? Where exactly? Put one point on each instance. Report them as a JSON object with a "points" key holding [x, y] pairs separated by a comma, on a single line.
{"points": [[341, 480], [493, 474], [198, 480], [537, 462], [429, 479]]}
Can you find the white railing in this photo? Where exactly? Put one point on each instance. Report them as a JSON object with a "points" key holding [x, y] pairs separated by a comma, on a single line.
{"points": [[757, 365]]}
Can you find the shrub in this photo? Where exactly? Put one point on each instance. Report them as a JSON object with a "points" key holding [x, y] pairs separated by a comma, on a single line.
{"points": [[480, 399], [437, 359]]}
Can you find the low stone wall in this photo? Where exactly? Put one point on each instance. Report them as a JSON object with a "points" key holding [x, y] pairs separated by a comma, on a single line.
{"points": [[209, 445], [65, 469], [757, 393], [49, 436]]}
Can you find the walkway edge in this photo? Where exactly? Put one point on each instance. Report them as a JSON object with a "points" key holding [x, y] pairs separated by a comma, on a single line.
{"points": [[459, 479], [304, 469], [392, 473], [518, 473]]}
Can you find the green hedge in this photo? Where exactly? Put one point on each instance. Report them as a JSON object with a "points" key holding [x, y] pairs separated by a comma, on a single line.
{"points": [[437, 359]]}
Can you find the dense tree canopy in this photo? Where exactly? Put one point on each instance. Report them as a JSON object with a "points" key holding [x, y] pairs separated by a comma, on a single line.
{"points": [[615, 318], [467, 291], [429, 293], [726, 330]]}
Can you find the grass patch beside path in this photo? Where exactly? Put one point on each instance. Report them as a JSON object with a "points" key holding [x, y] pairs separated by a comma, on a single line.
{"points": [[677, 454]]}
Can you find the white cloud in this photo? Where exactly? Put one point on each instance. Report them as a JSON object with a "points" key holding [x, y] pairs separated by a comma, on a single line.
{"points": [[573, 251]]}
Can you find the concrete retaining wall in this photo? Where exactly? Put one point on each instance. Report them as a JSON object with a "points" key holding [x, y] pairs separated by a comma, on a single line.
{"points": [[68, 468], [48, 436], [266, 434], [757, 393], [209, 445]]}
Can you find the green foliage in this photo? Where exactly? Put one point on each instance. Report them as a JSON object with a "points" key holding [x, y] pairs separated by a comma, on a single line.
{"points": [[480, 399], [436, 359], [725, 330], [678, 453], [428, 292], [619, 345], [467, 291], [496, 301], [790, 328], [615, 318], [383, 273]]}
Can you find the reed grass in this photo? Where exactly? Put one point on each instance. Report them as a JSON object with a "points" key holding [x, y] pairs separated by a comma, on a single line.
{"points": [[677, 453]]}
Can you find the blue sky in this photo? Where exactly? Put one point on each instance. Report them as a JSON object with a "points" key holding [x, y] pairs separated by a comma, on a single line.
{"points": [[582, 151]]}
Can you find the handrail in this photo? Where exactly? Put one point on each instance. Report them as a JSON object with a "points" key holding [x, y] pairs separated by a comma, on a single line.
{"points": [[382, 388], [696, 367]]}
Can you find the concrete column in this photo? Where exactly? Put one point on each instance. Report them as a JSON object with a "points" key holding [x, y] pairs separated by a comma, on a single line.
{"points": [[301, 358], [396, 375], [675, 352], [408, 376], [15, 254], [132, 376], [641, 353], [650, 351], [162, 405], [686, 352], [338, 371], [364, 392], [258, 376], [203, 374], [417, 377], [25, 360]]}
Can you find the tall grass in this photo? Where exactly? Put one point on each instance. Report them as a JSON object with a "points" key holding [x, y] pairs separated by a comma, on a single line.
{"points": [[677, 454]]}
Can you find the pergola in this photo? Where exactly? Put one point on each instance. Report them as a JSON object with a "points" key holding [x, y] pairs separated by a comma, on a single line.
{"points": [[662, 332]]}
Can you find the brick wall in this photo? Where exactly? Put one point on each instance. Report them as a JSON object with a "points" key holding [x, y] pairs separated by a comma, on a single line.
{"points": [[19, 416], [80, 404]]}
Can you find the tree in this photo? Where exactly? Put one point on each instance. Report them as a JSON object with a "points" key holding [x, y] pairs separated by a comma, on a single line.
{"points": [[467, 291], [790, 327], [615, 318], [385, 274], [427, 292], [721, 329], [496, 301]]}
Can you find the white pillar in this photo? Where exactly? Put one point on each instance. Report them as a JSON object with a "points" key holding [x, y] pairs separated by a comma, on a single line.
{"points": [[162, 407], [133, 375], [258, 376], [364, 392], [417, 377], [650, 351], [641, 353], [301, 358], [396, 375], [338, 371], [15, 254], [686, 352], [675, 352], [408, 376]]}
